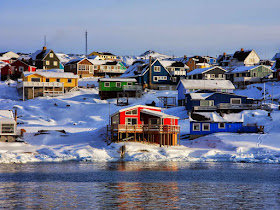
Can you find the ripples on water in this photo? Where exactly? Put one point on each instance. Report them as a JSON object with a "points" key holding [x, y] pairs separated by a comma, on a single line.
{"points": [[140, 185]]}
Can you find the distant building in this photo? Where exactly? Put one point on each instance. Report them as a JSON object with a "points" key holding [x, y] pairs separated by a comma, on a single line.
{"points": [[197, 62], [8, 126], [15, 70], [104, 55], [187, 86], [239, 58], [45, 59], [9, 54], [212, 73], [80, 66]]}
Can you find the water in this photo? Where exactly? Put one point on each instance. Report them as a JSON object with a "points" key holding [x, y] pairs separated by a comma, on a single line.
{"points": [[140, 185]]}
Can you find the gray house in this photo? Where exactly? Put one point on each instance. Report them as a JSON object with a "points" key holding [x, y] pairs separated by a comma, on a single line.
{"points": [[214, 72]]}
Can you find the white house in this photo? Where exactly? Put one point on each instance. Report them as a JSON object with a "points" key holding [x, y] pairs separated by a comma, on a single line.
{"points": [[8, 126]]}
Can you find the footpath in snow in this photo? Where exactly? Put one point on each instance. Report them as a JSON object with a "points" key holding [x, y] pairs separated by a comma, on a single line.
{"points": [[84, 118]]}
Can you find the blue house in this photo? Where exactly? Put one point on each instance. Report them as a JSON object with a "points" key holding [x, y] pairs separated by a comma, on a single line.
{"points": [[218, 101], [186, 86], [204, 123], [164, 74]]}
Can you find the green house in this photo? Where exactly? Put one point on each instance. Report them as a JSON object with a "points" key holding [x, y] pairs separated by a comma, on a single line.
{"points": [[110, 87]]}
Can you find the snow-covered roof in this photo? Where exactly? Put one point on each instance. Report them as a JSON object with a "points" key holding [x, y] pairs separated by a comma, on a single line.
{"points": [[215, 117], [34, 55], [200, 96], [158, 114], [206, 84], [136, 106], [242, 69], [52, 74], [117, 79], [7, 116], [202, 70], [97, 62], [276, 57]]}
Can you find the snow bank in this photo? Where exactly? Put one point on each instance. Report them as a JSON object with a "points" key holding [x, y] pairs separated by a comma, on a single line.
{"points": [[83, 117]]}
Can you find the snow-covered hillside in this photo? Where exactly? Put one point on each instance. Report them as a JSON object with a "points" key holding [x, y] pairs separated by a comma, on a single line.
{"points": [[84, 117]]}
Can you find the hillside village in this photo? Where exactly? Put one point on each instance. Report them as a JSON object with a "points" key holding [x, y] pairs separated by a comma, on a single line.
{"points": [[151, 107]]}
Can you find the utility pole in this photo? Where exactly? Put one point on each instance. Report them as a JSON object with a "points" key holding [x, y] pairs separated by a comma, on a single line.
{"points": [[150, 72], [86, 43]]}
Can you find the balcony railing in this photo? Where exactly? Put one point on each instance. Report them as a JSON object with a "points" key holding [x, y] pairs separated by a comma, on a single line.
{"points": [[228, 106], [201, 108], [247, 79], [40, 84], [145, 128], [132, 88]]}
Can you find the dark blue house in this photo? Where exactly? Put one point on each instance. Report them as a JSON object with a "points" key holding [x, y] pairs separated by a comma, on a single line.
{"points": [[204, 123], [219, 101]]}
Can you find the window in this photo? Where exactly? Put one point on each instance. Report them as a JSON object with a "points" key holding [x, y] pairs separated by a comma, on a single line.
{"points": [[221, 125], [154, 121], [221, 75], [95, 67], [107, 84], [57, 80], [8, 128], [156, 79], [129, 83], [118, 84], [235, 100], [206, 103], [83, 67], [170, 69], [131, 121], [212, 76], [109, 67], [21, 69], [47, 80], [131, 112], [196, 127], [35, 80], [174, 79], [156, 68], [51, 55], [206, 126], [55, 63], [115, 119], [69, 80], [254, 74], [47, 63]]}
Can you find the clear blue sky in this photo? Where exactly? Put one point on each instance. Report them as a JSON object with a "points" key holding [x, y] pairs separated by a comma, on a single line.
{"points": [[130, 27]]}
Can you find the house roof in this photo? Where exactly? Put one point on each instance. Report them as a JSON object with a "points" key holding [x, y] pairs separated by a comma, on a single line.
{"points": [[203, 70], [40, 54], [7, 116], [215, 117], [242, 69], [136, 106], [276, 57], [53, 74], [158, 114], [206, 84], [74, 61], [242, 54], [200, 96], [117, 79]]}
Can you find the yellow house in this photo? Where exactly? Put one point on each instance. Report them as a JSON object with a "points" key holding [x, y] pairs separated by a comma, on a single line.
{"points": [[104, 55], [48, 84]]}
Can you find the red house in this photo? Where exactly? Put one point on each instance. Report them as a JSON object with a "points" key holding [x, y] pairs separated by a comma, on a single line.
{"points": [[145, 124], [15, 70]]}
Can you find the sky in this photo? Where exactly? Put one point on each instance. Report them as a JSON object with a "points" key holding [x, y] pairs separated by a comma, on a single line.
{"points": [[130, 27]]}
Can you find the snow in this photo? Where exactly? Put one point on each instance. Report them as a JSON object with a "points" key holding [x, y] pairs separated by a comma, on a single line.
{"points": [[6, 116], [200, 96], [117, 80], [242, 69], [53, 74], [207, 84], [215, 117], [84, 117]]}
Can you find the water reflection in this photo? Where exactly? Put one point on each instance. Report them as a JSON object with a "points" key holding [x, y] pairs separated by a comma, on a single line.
{"points": [[140, 185]]}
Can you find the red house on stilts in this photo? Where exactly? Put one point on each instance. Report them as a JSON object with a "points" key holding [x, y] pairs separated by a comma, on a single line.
{"points": [[144, 124]]}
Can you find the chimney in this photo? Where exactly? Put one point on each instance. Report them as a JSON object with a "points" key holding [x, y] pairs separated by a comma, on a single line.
{"points": [[44, 48], [150, 72], [16, 115], [185, 57], [225, 53], [242, 50]]}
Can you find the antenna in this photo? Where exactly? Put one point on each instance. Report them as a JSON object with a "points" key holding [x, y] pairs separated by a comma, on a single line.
{"points": [[86, 42], [45, 40]]}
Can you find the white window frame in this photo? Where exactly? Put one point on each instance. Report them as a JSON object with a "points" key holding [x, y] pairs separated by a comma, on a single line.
{"points": [[198, 126], [156, 68], [69, 80], [21, 68], [118, 84], [235, 99], [210, 103], [130, 123], [47, 63], [55, 63], [203, 124], [213, 76], [51, 55], [219, 125], [155, 78], [130, 111], [108, 84], [90, 69]]}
